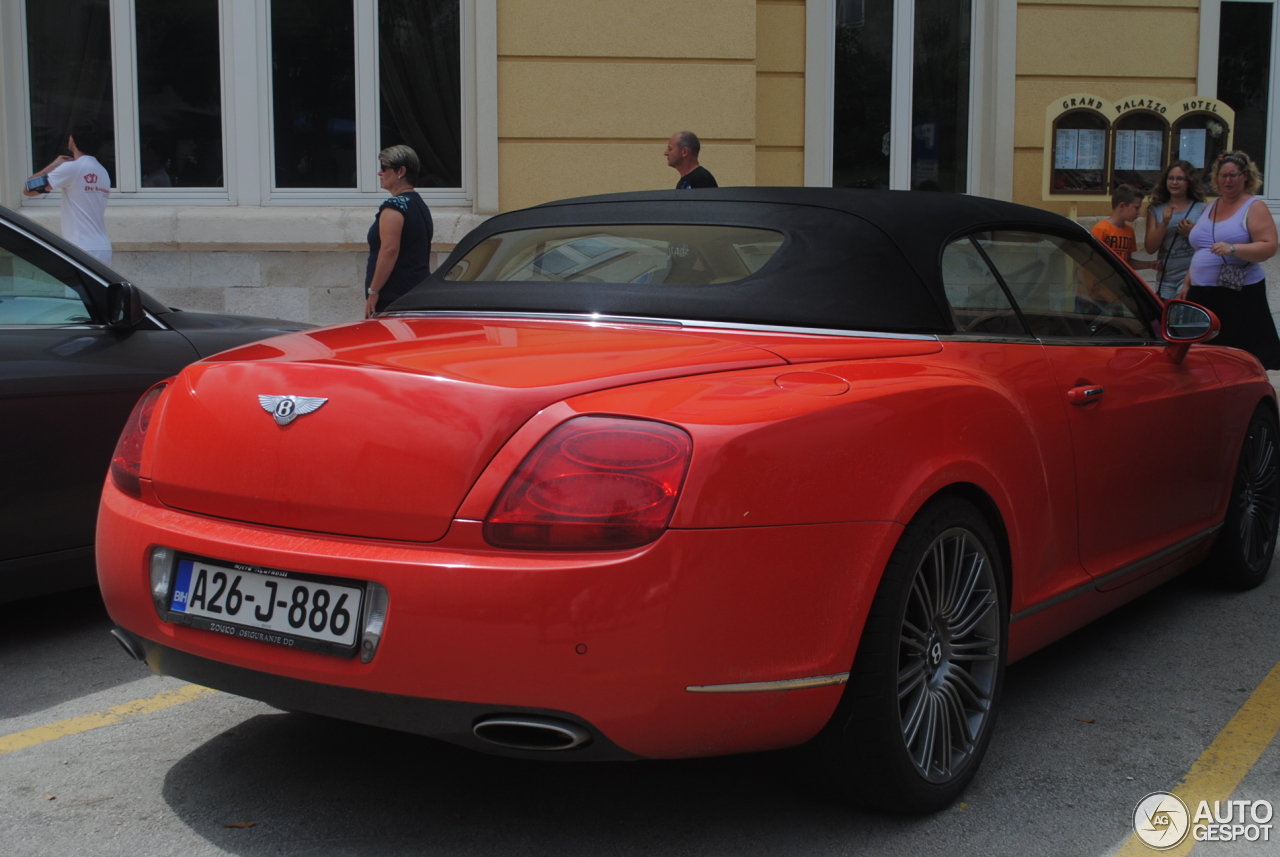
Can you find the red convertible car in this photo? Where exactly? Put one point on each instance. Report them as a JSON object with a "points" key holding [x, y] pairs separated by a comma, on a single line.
{"points": [[690, 473]]}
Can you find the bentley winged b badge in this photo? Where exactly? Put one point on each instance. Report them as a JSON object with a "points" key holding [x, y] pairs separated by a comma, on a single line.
{"points": [[286, 409]]}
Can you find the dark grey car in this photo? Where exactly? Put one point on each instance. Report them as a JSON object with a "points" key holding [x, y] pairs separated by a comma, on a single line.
{"points": [[78, 347]]}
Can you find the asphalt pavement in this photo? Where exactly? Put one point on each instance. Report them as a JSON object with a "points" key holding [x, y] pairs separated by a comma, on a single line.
{"points": [[1090, 725]]}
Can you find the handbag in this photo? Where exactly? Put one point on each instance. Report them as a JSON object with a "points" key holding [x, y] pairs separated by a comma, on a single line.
{"points": [[1230, 276]]}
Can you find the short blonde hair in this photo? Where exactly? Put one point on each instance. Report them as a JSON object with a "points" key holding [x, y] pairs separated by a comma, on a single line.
{"points": [[402, 156], [1252, 175]]}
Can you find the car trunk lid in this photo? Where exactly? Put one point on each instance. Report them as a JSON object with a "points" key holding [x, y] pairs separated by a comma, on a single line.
{"points": [[414, 411]]}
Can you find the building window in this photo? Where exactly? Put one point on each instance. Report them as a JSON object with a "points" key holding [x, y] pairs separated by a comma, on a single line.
{"points": [[421, 85], [313, 93], [940, 95], [929, 72], [179, 94], [64, 92], [1245, 47], [336, 81], [863, 93]]}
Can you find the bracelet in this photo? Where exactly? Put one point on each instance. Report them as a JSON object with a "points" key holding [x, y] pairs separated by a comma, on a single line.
{"points": [[1233, 249]]}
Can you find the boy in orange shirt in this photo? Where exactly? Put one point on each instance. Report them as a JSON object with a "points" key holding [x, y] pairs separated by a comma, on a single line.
{"points": [[1116, 231]]}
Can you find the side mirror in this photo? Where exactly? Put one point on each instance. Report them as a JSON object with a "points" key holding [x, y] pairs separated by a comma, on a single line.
{"points": [[124, 305], [1185, 323]]}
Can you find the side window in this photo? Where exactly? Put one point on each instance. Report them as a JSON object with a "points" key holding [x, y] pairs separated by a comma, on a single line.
{"points": [[978, 305], [36, 286], [1065, 288]]}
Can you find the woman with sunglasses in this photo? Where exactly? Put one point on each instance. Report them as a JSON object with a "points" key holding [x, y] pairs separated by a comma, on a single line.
{"points": [[400, 238], [1231, 241], [1177, 202]]}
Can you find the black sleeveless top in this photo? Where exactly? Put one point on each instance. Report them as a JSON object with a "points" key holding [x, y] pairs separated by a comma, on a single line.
{"points": [[414, 262]]}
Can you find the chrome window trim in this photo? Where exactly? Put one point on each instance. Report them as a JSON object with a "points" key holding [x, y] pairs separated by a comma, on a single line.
{"points": [[1099, 341], [764, 686], [53, 327], [56, 251], [1049, 341], [989, 337], [80, 326], [687, 324]]}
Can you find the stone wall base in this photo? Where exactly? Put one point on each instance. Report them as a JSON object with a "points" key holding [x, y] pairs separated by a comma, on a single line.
{"points": [[317, 286]]}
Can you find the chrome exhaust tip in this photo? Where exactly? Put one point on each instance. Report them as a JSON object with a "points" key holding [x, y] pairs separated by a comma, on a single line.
{"points": [[131, 646], [531, 733]]}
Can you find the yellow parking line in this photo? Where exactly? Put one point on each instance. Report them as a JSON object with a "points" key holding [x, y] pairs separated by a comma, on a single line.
{"points": [[114, 714], [1221, 768]]}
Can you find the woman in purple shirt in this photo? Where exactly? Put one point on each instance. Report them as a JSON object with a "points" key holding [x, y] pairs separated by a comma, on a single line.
{"points": [[1235, 235]]}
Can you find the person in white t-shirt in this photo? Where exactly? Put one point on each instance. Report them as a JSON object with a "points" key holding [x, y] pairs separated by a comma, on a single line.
{"points": [[86, 187]]}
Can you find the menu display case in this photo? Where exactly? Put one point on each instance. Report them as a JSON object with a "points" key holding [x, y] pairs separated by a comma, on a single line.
{"points": [[1078, 162], [1092, 145], [1140, 142], [1202, 130]]}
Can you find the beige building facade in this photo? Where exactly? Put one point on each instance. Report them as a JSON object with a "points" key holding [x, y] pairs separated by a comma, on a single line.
{"points": [[559, 98]]}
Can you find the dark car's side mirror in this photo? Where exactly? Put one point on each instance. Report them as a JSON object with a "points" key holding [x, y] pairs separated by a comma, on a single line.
{"points": [[1185, 323], [124, 305]]}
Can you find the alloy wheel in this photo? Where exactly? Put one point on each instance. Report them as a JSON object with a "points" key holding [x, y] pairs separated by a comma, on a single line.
{"points": [[948, 654], [1257, 497]]}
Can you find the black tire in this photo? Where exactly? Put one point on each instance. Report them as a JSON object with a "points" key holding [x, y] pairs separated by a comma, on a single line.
{"points": [[1242, 555], [917, 714]]}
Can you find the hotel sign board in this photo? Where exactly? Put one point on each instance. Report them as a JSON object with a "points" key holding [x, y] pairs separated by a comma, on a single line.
{"points": [[1092, 145]]}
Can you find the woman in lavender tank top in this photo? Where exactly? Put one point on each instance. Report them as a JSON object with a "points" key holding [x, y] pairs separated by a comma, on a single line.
{"points": [[1237, 232]]}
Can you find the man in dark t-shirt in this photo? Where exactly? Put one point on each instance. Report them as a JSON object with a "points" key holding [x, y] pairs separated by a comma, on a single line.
{"points": [[682, 156]]}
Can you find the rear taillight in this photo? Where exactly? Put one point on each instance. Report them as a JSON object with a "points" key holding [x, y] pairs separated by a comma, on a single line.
{"points": [[595, 483], [127, 460]]}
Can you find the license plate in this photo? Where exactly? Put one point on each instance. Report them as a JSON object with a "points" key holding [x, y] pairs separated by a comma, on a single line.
{"points": [[282, 607]]}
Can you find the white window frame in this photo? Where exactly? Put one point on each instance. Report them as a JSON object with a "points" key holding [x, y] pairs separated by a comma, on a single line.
{"points": [[1207, 83], [992, 70], [247, 127]]}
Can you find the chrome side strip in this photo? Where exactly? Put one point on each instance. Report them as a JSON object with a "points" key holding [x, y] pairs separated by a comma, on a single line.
{"points": [[760, 686], [589, 317], [693, 324], [812, 331], [1115, 575]]}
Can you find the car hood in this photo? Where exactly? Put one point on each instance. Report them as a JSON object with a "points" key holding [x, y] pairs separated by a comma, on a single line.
{"points": [[413, 411], [211, 332]]}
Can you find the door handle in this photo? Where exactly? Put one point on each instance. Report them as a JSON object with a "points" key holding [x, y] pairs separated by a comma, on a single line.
{"points": [[1085, 395]]}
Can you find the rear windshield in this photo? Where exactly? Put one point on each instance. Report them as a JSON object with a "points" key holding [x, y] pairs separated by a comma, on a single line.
{"points": [[690, 259], [655, 254]]}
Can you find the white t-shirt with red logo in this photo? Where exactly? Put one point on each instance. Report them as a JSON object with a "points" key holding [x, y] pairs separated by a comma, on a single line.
{"points": [[85, 189]]}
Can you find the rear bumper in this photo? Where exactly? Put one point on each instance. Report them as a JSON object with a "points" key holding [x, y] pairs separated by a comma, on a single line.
{"points": [[436, 718], [609, 640]]}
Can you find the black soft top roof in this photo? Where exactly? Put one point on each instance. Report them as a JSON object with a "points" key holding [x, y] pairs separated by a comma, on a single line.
{"points": [[852, 259]]}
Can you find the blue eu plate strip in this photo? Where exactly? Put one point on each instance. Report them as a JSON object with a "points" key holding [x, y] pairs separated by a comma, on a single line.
{"points": [[182, 587]]}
